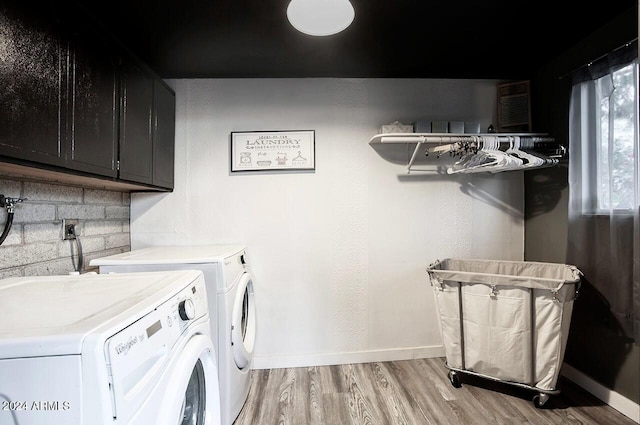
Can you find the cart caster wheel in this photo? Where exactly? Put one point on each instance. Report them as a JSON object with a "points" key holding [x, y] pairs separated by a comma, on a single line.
{"points": [[539, 400], [455, 381]]}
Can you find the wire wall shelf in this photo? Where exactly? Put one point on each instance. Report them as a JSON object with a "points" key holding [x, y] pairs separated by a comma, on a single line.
{"points": [[532, 150]]}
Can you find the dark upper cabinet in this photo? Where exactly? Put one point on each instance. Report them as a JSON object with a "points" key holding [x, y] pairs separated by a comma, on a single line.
{"points": [[33, 83], [147, 127], [136, 144], [93, 107], [75, 100], [164, 118]]}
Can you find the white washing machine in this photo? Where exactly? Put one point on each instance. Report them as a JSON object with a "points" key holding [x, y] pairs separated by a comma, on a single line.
{"points": [[95, 349], [231, 301]]}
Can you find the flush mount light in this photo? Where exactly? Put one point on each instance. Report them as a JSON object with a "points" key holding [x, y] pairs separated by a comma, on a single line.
{"points": [[320, 17]]}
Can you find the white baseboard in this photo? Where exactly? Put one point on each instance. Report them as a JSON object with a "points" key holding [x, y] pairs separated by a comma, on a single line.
{"points": [[306, 360], [619, 402]]}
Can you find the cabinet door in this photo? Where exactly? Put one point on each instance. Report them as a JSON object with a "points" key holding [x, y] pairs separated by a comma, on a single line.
{"points": [[164, 107], [33, 82], [94, 104], [136, 148]]}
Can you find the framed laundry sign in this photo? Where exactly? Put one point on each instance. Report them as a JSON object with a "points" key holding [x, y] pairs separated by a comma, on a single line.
{"points": [[273, 150]]}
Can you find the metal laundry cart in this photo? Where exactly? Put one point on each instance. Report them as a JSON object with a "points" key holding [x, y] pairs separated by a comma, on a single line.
{"points": [[507, 321]]}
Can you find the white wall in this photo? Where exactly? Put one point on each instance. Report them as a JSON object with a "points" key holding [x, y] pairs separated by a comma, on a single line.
{"points": [[339, 254]]}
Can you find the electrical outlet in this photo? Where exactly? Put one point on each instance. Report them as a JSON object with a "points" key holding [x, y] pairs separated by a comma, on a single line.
{"points": [[69, 229]]}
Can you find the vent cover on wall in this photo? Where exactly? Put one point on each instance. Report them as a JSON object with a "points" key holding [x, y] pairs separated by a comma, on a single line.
{"points": [[514, 107]]}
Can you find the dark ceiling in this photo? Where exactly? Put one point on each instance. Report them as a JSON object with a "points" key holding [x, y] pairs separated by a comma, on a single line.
{"points": [[388, 38]]}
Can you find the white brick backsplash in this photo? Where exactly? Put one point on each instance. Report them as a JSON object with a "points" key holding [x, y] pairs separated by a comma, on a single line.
{"points": [[10, 188], [92, 196], [82, 212], [52, 192], [31, 212], [117, 212], [15, 235], [11, 273], [42, 232], [116, 241], [96, 244], [13, 256], [58, 267], [35, 246], [93, 244], [92, 228]]}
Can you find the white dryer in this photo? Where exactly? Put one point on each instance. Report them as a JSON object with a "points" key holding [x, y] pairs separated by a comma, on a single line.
{"points": [[120, 349], [231, 301]]}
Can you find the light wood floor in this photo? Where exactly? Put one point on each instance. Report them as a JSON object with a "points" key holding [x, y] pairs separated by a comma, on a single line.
{"points": [[411, 392]]}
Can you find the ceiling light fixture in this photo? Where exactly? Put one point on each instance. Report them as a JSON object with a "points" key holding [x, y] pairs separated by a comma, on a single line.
{"points": [[320, 17]]}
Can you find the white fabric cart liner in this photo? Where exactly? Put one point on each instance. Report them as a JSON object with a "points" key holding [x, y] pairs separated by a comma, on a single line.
{"points": [[529, 274], [515, 317]]}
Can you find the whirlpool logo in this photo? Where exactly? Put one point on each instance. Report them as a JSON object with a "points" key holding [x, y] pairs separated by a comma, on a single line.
{"points": [[124, 347]]}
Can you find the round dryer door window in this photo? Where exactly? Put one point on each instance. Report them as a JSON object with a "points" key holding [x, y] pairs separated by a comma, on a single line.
{"points": [[193, 405], [243, 325]]}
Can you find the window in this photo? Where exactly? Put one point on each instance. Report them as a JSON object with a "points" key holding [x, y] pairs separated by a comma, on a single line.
{"points": [[604, 183], [617, 147], [604, 140]]}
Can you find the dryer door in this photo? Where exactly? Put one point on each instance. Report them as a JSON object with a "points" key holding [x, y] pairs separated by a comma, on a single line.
{"points": [[192, 391], [243, 322]]}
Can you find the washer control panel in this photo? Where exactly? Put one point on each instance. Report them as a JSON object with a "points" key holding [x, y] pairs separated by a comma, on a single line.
{"points": [[134, 354]]}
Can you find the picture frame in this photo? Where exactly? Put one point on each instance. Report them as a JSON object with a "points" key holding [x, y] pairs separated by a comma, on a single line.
{"points": [[288, 150]]}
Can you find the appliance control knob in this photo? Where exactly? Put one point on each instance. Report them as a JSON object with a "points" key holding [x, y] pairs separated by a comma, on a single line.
{"points": [[186, 309]]}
